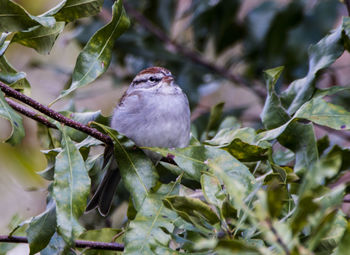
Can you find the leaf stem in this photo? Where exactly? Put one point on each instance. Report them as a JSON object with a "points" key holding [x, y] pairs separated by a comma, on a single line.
{"points": [[278, 238], [51, 113], [78, 243]]}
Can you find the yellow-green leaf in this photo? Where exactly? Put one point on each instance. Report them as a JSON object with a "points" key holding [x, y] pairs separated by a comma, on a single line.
{"points": [[17, 132], [97, 53], [71, 188]]}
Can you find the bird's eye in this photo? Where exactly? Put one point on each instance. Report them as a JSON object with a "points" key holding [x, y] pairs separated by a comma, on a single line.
{"points": [[153, 79]]}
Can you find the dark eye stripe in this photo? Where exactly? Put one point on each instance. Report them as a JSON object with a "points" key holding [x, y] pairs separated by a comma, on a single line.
{"points": [[139, 81], [154, 79]]}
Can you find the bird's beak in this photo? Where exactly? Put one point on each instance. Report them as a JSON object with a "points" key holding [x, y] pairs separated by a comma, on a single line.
{"points": [[169, 79]]}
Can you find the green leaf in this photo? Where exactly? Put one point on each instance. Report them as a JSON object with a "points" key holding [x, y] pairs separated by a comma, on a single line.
{"points": [[83, 118], [305, 207], [16, 80], [96, 55], [101, 235], [173, 169], [190, 159], [322, 144], [94, 164], [346, 32], [49, 138], [323, 113], [240, 143], [70, 10], [323, 227], [57, 246], [4, 47], [153, 222], [215, 115], [273, 114], [300, 138], [212, 190], [39, 38], [16, 225], [17, 132], [345, 154], [71, 188], [49, 171], [334, 235], [332, 198], [282, 156], [228, 211], [276, 195], [3, 43], [344, 245], [274, 133], [160, 250], [192, 210], [238, 180], [137, 170], [235, 247], [321, 55], [14, 18], [89, 142], [325, 168], [196, 159], [41, 229], [329, 91], [230, 122]]}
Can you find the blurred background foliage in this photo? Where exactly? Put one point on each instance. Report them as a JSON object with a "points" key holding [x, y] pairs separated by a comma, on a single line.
{"points": [[203, 42]]}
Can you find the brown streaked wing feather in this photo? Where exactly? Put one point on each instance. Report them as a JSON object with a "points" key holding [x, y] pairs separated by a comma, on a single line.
{"points": [[122, 99]]}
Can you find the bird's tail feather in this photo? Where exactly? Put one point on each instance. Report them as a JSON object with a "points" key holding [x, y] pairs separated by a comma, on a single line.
{"points": [[104, 194], [105, 191]]}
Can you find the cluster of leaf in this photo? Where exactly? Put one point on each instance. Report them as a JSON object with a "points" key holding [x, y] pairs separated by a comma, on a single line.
{"points": [[40, 33], [233, 189], [270, 34], [266, 192], [68, 163]]}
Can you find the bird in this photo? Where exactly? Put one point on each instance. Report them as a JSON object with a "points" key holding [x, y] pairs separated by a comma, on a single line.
{"points": [[153, 112]]}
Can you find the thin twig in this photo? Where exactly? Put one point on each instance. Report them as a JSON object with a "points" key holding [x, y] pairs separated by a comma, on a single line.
{"points": [[78, 243], [29, 113], [278, 238], [190, 54], [55, 115]]}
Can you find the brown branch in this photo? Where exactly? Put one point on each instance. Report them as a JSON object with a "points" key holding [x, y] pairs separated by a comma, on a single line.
{"points": [[29, 113], [278, 238], [78, 243], [54, 115], [190, 54]]}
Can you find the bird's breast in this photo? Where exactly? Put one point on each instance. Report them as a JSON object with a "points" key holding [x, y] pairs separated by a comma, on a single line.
{"points": [[158, 120]]}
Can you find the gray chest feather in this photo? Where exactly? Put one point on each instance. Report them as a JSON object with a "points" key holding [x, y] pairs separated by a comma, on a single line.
{"points": [[160, 120]]}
